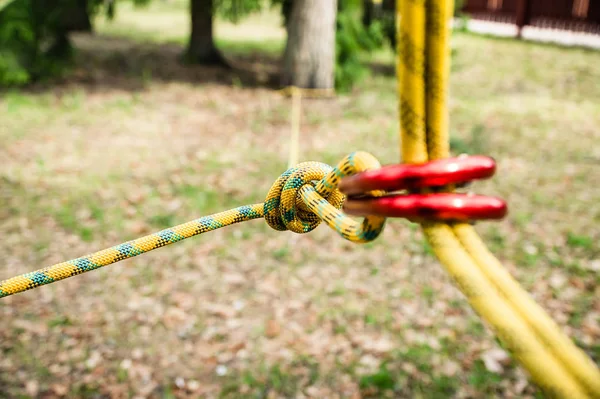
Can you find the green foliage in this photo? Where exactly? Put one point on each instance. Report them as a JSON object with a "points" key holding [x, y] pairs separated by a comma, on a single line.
{"points": [[574, 240], [458, 5], [352, 40], [483, 379], [11, 72], [272, 381], [138, 3], [17, 38], [235, 10], [33, 38], [382, 380]]}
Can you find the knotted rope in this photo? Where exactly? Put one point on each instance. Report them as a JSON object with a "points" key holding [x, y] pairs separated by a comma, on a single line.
{"points": [[298, 201]]}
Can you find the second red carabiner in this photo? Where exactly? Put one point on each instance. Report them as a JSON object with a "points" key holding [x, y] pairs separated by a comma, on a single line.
{"points": [[419, 207]]}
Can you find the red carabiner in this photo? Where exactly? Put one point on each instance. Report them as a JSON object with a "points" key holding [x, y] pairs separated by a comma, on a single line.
{"points": [[441, 172], [420, 207]]}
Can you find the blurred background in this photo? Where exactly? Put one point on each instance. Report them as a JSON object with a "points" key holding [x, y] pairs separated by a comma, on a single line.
{"points": [[120, 118]]}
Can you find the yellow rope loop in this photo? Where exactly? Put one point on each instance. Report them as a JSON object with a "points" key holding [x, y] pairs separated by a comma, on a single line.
{"points": [[290, 91], [307, 194]]}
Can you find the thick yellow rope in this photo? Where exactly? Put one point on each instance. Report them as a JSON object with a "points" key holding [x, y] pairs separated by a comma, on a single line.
{"points": [[555, 363]]}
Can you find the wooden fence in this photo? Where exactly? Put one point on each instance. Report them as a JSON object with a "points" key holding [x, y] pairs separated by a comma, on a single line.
{"points": [[573, 15]]}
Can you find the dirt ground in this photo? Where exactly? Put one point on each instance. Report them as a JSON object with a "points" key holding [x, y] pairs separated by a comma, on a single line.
{"points": [[132, 142]]}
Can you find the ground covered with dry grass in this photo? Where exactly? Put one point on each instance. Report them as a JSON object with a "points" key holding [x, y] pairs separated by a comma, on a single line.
{"points": [[133, 142]]}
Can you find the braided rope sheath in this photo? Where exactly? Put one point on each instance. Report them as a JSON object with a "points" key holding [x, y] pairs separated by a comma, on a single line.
{"points": [[557, 365], [299, 200]]}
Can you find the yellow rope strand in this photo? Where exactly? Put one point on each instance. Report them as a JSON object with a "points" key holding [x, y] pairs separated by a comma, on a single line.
{"points": [[411, 69], [554, 362], [295, 126], [307, 93], [299, 200], [296, 93]]}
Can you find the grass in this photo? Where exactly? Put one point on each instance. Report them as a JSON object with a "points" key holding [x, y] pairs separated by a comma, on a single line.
{"points": [[133, 142]]}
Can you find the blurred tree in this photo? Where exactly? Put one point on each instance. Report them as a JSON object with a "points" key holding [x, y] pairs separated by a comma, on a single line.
{"points": [[201, 46], [286, 8], [309, 57], [34, 37], [353, 40], [70, 16]]}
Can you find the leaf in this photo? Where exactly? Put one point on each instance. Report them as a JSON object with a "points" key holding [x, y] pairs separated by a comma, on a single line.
{"points": [[216, 309], [494, 360], [59, 389], [272, 328]]}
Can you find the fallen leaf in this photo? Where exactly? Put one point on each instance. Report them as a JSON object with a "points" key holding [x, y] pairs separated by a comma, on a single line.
{"points": [[30, 326], [450, 368], [193, 385], [32, 388], [221, 370], [94, 359], [173, 317], [220, 310], [237, 346], [59, 389], [557, 280], [137, 227], [180, 382], [234, 278], [272, 328], [493, 360]]}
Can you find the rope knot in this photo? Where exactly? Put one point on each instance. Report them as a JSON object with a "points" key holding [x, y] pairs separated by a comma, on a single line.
{"points": [[284, 207], [307, 194]]}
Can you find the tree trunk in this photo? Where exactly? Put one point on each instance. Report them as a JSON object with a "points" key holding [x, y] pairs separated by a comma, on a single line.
{"points": [[309, 58], [75, 17], [201, 48], [367, 12]]}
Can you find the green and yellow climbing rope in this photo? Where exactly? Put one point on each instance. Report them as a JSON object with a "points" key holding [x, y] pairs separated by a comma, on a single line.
{"points": [[299, 200]]}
